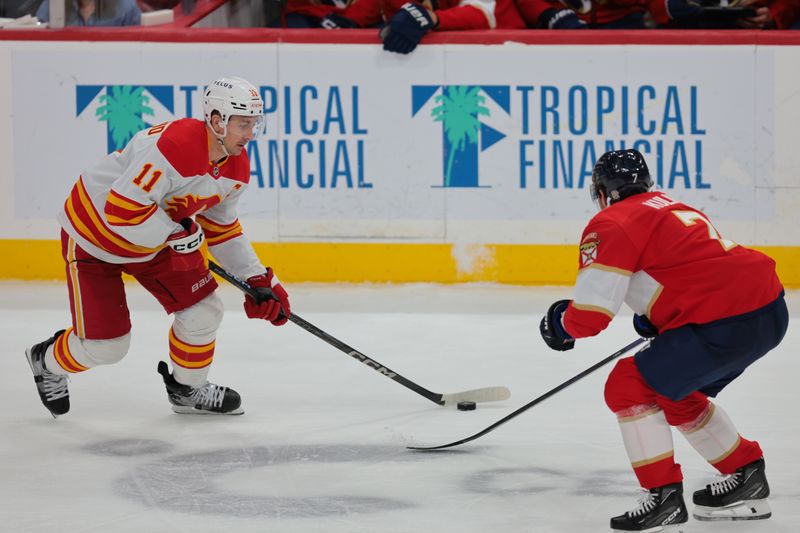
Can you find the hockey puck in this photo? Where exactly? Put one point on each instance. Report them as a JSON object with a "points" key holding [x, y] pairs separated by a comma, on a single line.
{"points": [[466, 406]]}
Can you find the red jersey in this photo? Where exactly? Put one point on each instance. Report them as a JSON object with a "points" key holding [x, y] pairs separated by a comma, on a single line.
{"points": [[599, 12], [666, 261], [784, 12], [591, 12], [467, 14], [452, 14], [364, 13]]}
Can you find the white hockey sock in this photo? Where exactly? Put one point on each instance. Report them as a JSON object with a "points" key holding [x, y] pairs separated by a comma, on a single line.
{"points": [[646, 434], [712, 434], [191, 361], [71, 354], [192, 340]]}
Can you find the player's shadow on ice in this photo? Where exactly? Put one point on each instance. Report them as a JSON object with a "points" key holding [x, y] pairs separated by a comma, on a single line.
{"points": [[533, 480], [241, 481], [194, 483]]}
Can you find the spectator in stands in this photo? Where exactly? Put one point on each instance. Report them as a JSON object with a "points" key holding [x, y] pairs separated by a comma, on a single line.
{"points": [[780, 14], [583, 14], [766, 14], [96, 13], [332, 14], [407, 22], [639, 14]]}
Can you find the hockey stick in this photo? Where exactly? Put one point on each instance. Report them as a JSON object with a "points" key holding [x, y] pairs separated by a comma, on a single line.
{"points": [[486, 394], [530, 404]]}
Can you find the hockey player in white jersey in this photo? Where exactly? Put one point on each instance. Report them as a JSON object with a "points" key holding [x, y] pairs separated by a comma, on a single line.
{"points": [[145, 210]]}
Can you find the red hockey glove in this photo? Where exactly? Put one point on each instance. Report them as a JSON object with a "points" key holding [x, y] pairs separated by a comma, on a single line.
{"points": [[185, 246], [273, 302]]}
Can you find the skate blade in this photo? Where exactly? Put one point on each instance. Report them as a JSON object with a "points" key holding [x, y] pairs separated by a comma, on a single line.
{"points": [[745, 510], [186, 410], [30, 361], [671, 528]]}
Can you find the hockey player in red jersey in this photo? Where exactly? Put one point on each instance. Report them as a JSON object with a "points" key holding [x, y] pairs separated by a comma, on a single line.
{"points": [[132, 213], [710, 307]]}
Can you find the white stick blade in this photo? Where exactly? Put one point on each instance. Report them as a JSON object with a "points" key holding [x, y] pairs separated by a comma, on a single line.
{"points": [[486, 394]]}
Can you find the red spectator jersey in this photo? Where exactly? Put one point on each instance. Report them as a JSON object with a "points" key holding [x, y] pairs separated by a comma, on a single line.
{"points": [[666, 261], [598, 12], [467, 14], [364, 13], [784, 12], [592, 12]]}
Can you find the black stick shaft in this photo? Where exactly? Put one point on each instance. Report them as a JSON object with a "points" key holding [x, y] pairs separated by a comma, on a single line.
{"points": [[333, 341], [538, 400]]}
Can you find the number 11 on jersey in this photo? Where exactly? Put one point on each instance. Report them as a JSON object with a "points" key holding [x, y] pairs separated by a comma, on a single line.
{"points": [[151, 182]]}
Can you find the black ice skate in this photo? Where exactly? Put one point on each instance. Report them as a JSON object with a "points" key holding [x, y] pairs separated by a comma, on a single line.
{"points": [[209, 399], [52, 388], [739, 496], [659, 509]]}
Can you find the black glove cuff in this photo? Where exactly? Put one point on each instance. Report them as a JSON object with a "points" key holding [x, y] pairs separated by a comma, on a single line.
{"points": [[551, 329], [644, 327]]}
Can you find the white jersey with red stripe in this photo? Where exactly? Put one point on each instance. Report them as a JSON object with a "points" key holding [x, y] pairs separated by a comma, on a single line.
{"points": [[666, 261], [124, 208]]}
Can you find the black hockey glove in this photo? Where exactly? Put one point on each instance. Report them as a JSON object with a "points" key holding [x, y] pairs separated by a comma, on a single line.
{"points": [[644, 327], [561, 19], [551, 329], [685, 12], [406, 28]]}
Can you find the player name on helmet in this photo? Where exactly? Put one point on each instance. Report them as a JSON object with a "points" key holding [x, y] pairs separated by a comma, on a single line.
{"points": [[369, 362]]}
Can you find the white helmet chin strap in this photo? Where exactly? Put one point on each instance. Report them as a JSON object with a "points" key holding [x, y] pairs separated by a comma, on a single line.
{"points": [[221, 138], [222, 145]]}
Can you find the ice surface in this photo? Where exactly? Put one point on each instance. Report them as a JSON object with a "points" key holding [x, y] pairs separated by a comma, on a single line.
{"points": [[321, 446]]}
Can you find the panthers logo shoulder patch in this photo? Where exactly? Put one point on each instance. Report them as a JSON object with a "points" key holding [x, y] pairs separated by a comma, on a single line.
{"points": [[589, 249]]}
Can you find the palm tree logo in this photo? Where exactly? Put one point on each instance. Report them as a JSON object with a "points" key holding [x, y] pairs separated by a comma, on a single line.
{"points": [[459, 108], [123, 108], [458, 111]]}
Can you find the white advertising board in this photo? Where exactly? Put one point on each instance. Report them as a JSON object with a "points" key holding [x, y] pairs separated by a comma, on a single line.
{"points": [[454, 143]]}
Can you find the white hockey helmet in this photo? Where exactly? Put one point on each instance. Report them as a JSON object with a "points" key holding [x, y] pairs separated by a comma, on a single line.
{"points": [[233, 96]]}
